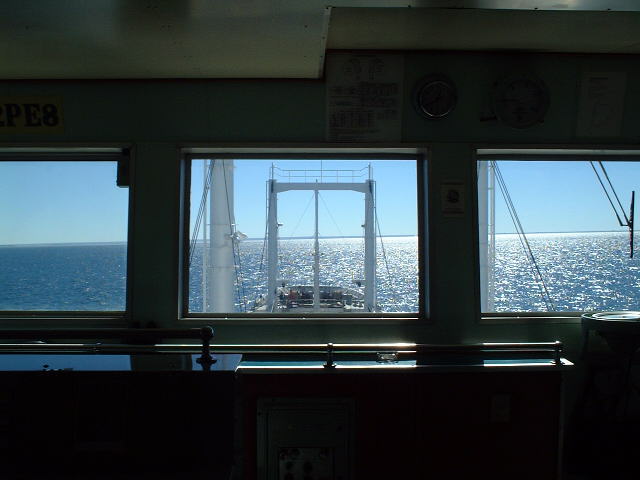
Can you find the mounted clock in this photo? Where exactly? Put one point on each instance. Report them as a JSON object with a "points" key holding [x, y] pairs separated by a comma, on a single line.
{"points": [[520, 101], [435, 96]]}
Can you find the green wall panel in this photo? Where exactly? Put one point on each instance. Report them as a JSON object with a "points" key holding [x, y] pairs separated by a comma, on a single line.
{"points": [[158, 117]]}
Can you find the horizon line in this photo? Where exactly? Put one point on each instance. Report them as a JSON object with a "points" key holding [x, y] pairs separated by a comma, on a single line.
{"points": [[308, 237], [572, 231], [124, 242]]}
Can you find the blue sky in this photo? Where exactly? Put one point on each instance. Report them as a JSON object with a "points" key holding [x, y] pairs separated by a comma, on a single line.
{"points": [[564, 196], [61, 202], [340, 213], [68, 202]]}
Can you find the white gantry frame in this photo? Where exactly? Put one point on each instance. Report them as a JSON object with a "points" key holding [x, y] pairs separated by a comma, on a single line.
{"points": [[367, 187]]}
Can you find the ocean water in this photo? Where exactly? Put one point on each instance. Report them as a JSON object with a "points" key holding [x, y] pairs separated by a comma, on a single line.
{"points": [[63, 277], [583, 271], [341, 262]]}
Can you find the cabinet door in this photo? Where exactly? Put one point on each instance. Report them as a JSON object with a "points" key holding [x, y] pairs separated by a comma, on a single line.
{"points": [[498, 422]]}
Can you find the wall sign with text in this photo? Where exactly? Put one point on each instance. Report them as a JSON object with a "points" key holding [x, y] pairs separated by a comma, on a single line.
{"points": [[452, 197], [31, 115], [364, 97]]}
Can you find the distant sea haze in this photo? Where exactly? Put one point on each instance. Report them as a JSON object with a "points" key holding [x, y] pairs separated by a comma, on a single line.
{"points": [[62, 244], [582, 271], [326, 237]]}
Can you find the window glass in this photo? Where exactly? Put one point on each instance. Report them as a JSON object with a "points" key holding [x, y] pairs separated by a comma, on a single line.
{"points": [[63, 236], [298, 237], [556, 236]]}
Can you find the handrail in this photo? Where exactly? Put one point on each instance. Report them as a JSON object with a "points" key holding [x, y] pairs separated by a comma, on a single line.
{"points": [[553, 349], [145, 335], [142, 333]]}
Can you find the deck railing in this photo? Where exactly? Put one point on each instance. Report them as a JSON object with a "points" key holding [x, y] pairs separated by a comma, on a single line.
{"points": [[320, 175]]}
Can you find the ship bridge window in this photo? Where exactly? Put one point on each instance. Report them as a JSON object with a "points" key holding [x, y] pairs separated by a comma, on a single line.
{"points": [[63, 232], [308, 236], [556, 231]]}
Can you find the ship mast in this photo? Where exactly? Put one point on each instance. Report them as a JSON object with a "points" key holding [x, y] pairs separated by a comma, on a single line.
{"points": [[369, 246], [316, 260], [272, 242], [221, 268], [486, 212], [205, 243]]}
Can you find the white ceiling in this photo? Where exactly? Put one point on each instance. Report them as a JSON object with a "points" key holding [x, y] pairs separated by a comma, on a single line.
{"points": [[85, 39]]}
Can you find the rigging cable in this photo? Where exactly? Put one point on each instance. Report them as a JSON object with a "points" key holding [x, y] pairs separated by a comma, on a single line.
{"points": [[302, 216], [628, 221], [615, 210], [523, 239], [535, 271], [288, 273], [384, 252], [200, 216], [330, 215]]}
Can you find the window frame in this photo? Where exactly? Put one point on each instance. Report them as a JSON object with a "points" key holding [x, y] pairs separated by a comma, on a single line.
{"points": [[535, 153], [122, 155], [419, 155]]}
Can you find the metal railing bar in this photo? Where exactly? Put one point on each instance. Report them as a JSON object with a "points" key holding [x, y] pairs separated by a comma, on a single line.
{"points": [[148, 335], [553, 348], [139, 333]]}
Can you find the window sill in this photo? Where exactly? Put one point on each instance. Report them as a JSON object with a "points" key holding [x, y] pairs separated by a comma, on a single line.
{"points": [[54, 320], [306, 321], [530, 318]]}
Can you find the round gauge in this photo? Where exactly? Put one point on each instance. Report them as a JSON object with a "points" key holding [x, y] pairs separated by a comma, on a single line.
{"points": [[435, 96], [520, 101]]}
